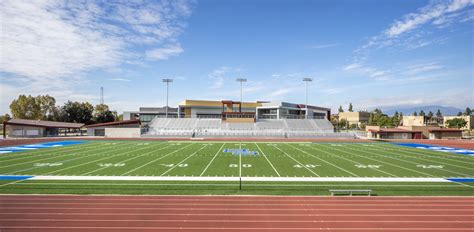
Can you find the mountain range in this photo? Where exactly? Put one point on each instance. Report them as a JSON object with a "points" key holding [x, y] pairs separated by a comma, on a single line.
{"points": [[445, 110]]}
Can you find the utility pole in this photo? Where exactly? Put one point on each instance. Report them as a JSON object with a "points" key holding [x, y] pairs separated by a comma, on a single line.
{"points": [[306, 80], [102, 95], [167, 81]]}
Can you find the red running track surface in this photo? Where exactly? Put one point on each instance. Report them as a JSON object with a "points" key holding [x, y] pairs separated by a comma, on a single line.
{"points": [[234, 213]]}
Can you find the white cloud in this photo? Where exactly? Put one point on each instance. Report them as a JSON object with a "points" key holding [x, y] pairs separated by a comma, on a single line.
{"points": [[165, 52], [352, 66], [119, 79], [53, 43], [438, 12], [322, 46], [219, 75]]}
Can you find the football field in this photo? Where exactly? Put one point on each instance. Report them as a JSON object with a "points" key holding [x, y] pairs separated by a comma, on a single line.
{"points": [[161, 167]]}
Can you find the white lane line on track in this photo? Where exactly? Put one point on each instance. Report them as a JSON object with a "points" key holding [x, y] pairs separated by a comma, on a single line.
{"points": [[235, 209], [225, 204], [233, 220], [237, 228]]}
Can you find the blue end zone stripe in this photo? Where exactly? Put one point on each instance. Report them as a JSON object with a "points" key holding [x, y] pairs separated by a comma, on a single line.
{"points": [[438, 148], [15, 177], [465, 180], [29, 147]]}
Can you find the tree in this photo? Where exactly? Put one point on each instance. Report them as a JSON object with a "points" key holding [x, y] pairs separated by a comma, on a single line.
{"points": [[340, 109], [422, 113], [415, 113], [103, 114], [456, 123], [430, 114], [468, 111], [48, 107], [439, 114], [4, 118], [459, 113], [350, 107], [79, 112], [343, 123], [25, 107]]}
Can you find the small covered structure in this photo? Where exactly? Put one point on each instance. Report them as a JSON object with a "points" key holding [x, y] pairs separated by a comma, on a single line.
{"points": [[38, 128], [445, 133], [118, 129], [393, 133]]}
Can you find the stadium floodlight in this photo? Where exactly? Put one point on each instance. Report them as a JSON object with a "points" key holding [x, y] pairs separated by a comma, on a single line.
{"points": [[241, 80], [167, 81], [306, 80]]}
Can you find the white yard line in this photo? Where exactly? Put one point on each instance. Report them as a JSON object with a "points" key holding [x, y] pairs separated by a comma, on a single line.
{"points": [[406, 161], [53, 152], [304, 166], [431, 153], [212, 160], [67, 160], [146, 153], [58, 156], [398, 166], [323, 160], [274, 169], [141, 166], [429, 156], [119, 154], [169, 170], [342, 157]]}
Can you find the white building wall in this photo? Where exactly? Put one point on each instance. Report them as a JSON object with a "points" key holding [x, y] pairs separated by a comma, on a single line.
{"points": [[122, 132]]}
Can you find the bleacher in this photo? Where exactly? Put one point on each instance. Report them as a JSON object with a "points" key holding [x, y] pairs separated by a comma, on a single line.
{"points": [[269, 128]]}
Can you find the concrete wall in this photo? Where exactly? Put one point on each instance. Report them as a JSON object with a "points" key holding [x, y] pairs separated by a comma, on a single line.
{"points": [[354, 117], [446, 135], [413, 120], [468, 119], [122, 132]]}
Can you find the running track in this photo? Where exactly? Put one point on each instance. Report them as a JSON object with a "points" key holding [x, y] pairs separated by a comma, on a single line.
{"points": [[234, 213]]}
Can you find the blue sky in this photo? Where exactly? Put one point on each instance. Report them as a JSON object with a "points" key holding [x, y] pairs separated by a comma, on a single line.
{"points": [[370, 53]]}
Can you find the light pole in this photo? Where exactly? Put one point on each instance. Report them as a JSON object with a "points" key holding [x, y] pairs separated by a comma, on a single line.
{"points": [[241, 80], [306, 80], [167, 81]]}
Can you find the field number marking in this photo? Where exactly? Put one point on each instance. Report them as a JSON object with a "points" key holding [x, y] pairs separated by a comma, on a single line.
{"points": [[367, 166], [47, 164], [306, 165], [243, 165], [111, 165], [429, 166]]}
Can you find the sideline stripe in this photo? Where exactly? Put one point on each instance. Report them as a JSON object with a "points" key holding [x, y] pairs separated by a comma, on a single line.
{"points": [[15, 177], [221, 178], [462, 180]]}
